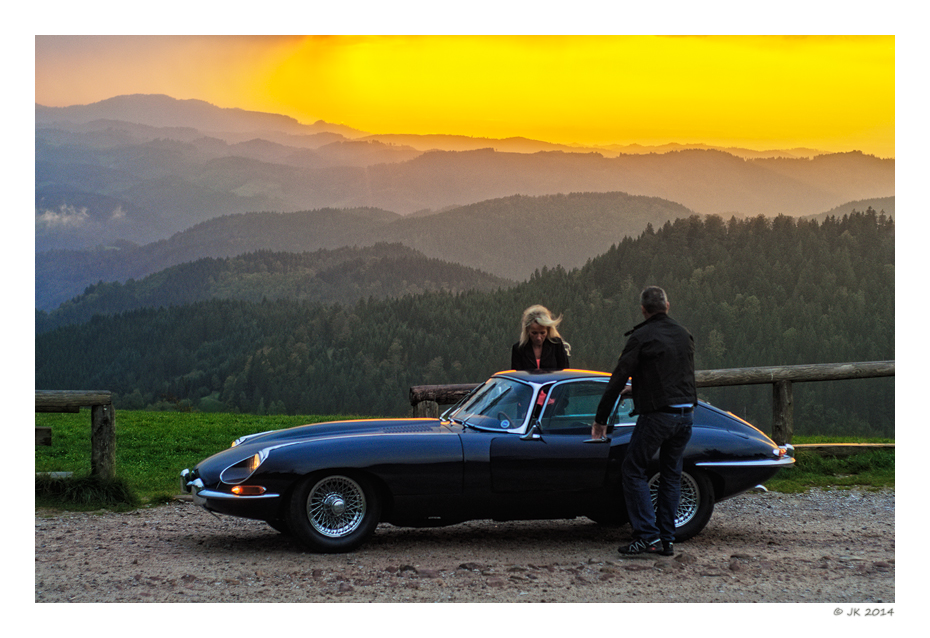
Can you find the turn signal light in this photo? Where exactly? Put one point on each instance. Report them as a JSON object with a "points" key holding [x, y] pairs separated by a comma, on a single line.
{"points": [[248, 490]]}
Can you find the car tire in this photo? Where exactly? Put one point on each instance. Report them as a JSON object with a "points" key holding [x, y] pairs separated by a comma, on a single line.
{"points": [[695, 505], [334, 512]]}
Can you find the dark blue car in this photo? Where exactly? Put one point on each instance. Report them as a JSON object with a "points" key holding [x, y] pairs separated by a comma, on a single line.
{"points": [[516, 448]]}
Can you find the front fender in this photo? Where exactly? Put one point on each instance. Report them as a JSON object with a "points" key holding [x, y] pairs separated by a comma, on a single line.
{"points": [[407, 464]]}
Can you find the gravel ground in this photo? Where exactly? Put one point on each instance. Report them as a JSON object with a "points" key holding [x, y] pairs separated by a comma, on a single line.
{"points": [[821, 546]]}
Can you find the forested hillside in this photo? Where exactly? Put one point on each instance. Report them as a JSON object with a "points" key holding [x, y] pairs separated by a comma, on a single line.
{"points": [[341, 276], [514, 236], [508, 237], [754, 292], [63, 274], [880, 204]]}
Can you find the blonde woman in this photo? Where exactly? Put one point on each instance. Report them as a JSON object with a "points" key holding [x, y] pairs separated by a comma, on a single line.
{"points": [[541, 346]]}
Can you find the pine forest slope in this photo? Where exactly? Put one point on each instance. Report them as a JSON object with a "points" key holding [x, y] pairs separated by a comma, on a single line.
{"points": [[758, 291], [63, 274], [342, 276], [881, 205]]}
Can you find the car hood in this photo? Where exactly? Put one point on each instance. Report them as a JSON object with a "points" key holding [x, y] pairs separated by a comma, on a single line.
{"points": [[360, 427], [210, 467]]}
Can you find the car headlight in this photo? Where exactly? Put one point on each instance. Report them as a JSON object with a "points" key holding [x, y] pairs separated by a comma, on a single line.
{"points": [[242, 470]]}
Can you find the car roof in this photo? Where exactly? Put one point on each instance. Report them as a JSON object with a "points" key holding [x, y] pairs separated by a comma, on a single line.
{"points": [[550, 376]]}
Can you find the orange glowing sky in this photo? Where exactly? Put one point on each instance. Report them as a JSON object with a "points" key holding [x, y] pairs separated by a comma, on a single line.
{"points": [[834, 93]]}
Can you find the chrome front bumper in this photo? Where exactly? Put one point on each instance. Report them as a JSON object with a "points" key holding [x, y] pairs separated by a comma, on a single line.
{"points": [[195, 487], [192, 486]]}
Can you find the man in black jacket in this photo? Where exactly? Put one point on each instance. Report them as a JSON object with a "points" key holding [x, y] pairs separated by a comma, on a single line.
{"points": [[659, 357]]}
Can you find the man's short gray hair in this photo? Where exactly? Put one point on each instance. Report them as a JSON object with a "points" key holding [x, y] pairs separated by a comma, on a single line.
{"points": [[653, 299]]}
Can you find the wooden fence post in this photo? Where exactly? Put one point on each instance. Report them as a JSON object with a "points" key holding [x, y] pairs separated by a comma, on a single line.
{"points": [[103, 441], [102, 423], [782, 412], [426, 409]]}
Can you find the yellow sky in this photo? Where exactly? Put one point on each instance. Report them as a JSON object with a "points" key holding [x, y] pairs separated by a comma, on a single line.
{"points": [[835, 93]]}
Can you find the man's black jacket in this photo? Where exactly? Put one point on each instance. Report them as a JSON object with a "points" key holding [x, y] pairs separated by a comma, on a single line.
{"points": [[659, 356]]}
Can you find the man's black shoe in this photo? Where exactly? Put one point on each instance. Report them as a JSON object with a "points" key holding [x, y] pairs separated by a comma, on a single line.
{"points": [[668, 548], [639, 546]]}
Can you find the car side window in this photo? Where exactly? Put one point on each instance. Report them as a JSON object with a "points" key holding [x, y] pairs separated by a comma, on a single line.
{"points": [[570, 408]]}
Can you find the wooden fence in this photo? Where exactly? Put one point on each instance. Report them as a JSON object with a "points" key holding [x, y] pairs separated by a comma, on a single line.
{"points": [[102, 424], [426, 399]]}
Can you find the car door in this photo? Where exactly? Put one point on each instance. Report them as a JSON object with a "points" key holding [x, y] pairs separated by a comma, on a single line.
{"points": [[557, 460]]}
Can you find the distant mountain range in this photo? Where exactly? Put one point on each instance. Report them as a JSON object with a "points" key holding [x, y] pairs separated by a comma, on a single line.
{"points": [[137, 184], [141, 168], [186, 117], [163, 111], [507, 237]]}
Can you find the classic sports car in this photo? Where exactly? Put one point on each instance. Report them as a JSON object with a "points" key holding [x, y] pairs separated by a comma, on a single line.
{"points": [[516, 448]]}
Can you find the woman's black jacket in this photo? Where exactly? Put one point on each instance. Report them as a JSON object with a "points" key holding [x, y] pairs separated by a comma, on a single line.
{"points": [[553, 356]]}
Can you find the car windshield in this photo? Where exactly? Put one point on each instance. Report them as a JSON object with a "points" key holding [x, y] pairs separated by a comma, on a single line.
{"points": [[500, 404]]}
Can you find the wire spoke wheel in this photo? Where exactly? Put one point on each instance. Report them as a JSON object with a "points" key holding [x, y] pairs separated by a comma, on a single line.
{"points": [[336, 506], [689, 501], [695, 502]]}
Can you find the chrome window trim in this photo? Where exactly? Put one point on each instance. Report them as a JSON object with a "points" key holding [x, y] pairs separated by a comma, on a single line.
{"points": [[568, 382]]}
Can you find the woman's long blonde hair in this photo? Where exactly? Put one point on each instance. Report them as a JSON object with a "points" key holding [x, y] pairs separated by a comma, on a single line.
{"points": [[542, 316]]}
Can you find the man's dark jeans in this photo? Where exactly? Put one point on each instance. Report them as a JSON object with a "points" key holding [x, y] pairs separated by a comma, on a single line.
{"points": [[667, 434]]}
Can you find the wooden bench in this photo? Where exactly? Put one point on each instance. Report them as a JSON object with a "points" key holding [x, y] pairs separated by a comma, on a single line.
{"points": [[102, 424]]}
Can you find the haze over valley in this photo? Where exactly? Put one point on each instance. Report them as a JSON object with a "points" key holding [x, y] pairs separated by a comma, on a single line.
{"points": [[135, 184], [101, 175]]}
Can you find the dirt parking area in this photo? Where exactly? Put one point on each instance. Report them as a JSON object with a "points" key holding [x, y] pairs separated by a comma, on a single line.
{"points": [[831, 546]]}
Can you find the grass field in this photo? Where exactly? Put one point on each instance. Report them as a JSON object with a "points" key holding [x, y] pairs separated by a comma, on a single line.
{"points": [[153, 447]]}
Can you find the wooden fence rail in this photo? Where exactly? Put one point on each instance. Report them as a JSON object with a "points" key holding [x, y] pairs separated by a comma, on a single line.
{"points": [[426, 399], [102, 423]]}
